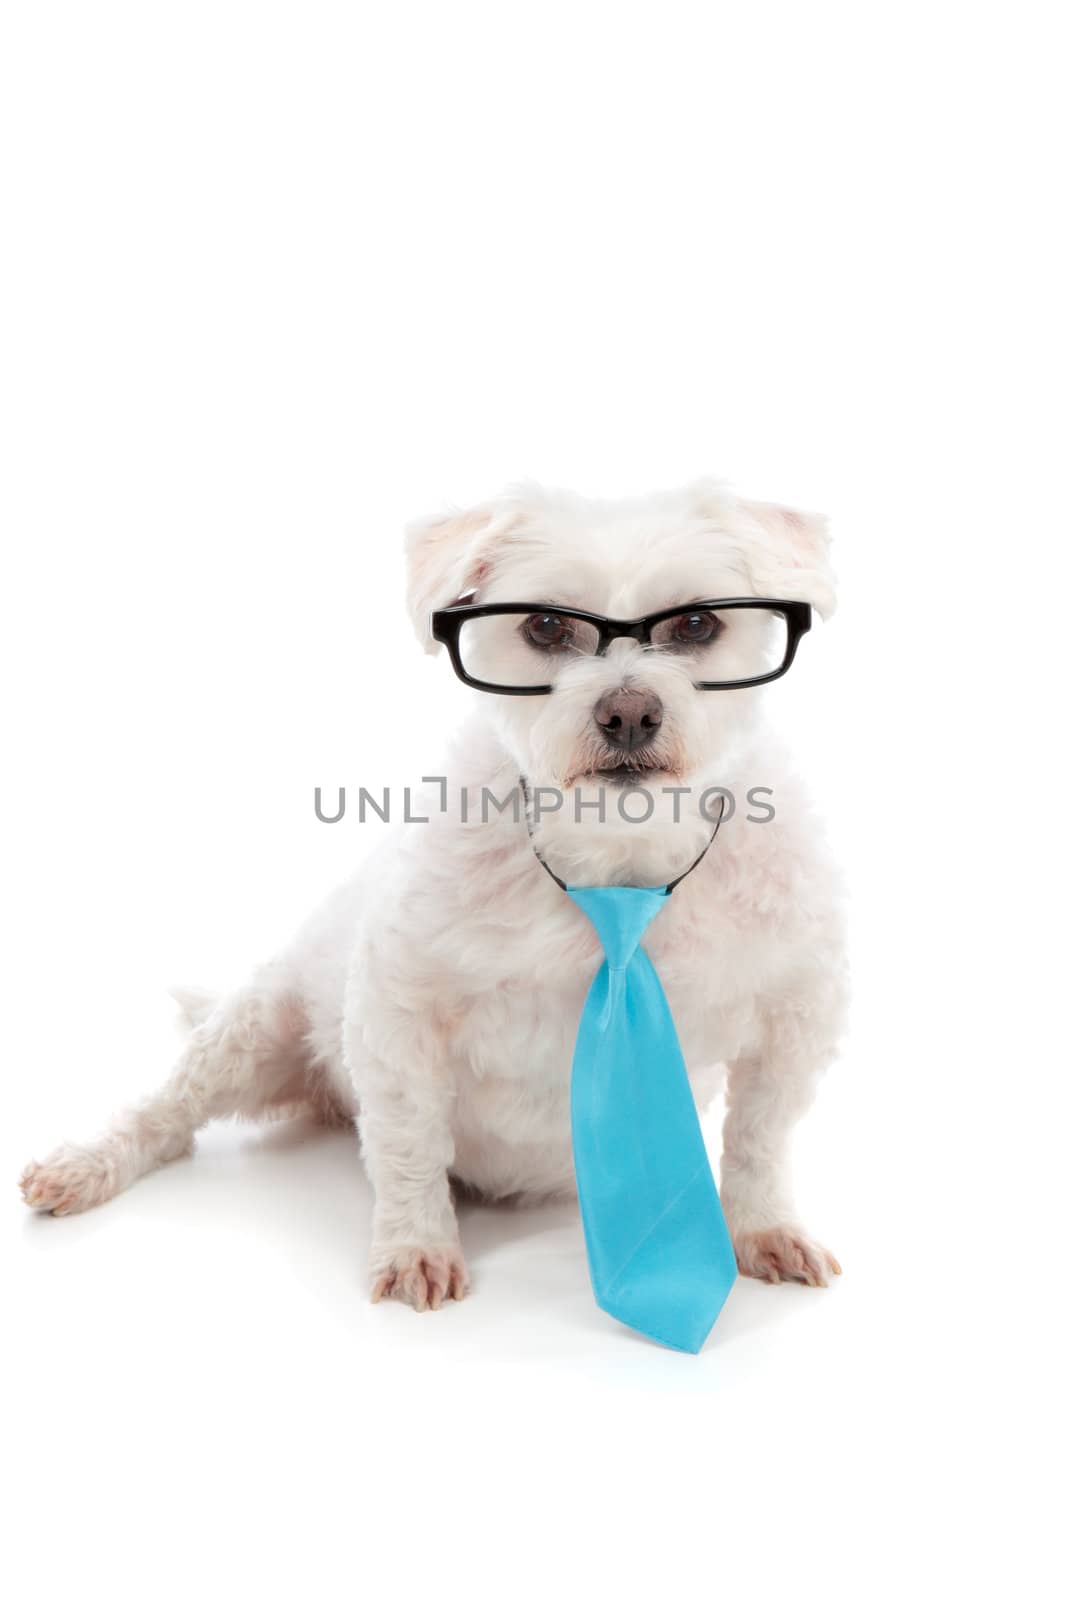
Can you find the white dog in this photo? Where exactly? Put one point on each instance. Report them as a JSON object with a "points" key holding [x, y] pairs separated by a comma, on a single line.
{"points": [[435, 997]]}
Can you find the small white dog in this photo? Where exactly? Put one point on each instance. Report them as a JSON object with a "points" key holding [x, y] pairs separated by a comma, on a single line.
{"points": [[436, 996]]}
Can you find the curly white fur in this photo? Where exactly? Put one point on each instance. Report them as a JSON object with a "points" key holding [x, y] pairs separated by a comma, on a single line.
{"points": [[435, 997]]}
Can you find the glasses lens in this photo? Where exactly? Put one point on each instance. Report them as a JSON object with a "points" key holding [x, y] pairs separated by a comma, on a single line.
{"points": [[524, 650], [725, 646]]}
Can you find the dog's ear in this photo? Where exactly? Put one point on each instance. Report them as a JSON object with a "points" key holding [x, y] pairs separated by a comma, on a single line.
{"points": [[787, 555], [447, 556]]}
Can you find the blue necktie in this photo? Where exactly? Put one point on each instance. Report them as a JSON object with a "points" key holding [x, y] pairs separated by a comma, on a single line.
{"points": [[660, 1256]]}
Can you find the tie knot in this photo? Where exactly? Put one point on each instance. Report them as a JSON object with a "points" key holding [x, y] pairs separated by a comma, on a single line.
{"points": [[620, 917]]}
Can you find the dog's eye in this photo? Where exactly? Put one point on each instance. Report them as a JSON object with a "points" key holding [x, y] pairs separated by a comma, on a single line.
{"points": [[548, 630], [696, 628]]}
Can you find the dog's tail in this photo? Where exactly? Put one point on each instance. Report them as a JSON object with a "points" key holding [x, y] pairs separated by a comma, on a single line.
{"points": [[195, 1005]]}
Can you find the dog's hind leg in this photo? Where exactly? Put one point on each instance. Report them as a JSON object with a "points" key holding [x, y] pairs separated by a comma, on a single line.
{"points": [[244, 1058]]}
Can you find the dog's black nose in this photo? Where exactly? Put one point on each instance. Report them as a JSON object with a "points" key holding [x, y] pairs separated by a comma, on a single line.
{"points": [[628, 718]]}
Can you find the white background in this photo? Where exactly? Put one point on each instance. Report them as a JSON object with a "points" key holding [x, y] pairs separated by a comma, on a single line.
{"points": [[277, 277]]}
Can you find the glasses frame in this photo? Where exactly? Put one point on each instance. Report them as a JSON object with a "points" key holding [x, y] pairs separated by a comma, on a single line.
{"points": [[446, 625]]}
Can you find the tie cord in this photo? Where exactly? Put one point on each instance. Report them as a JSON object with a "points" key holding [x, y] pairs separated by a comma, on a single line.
{"points": [[669, 887]]}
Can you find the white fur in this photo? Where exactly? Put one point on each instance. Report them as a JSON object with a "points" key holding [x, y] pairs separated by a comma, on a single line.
{"points": [[436, 995]]}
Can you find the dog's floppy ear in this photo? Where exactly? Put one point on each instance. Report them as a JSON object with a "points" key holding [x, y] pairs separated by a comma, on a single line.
{"points": [[447, 557], [788, 555]]}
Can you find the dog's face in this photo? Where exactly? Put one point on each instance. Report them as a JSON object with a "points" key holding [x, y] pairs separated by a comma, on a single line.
{"points": [[633, 714]]}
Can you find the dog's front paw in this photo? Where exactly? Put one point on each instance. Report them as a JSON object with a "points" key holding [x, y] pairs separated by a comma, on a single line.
{"points": [[73, 1178], [423, 1276], [784, 1255]]}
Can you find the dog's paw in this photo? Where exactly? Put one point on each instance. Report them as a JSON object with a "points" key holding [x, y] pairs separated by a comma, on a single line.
{"points": [[784, 1255], [422, 1277], [73, 1178]]}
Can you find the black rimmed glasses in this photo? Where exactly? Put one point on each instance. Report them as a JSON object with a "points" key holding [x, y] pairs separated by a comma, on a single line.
{"points": [[519, 648]]}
